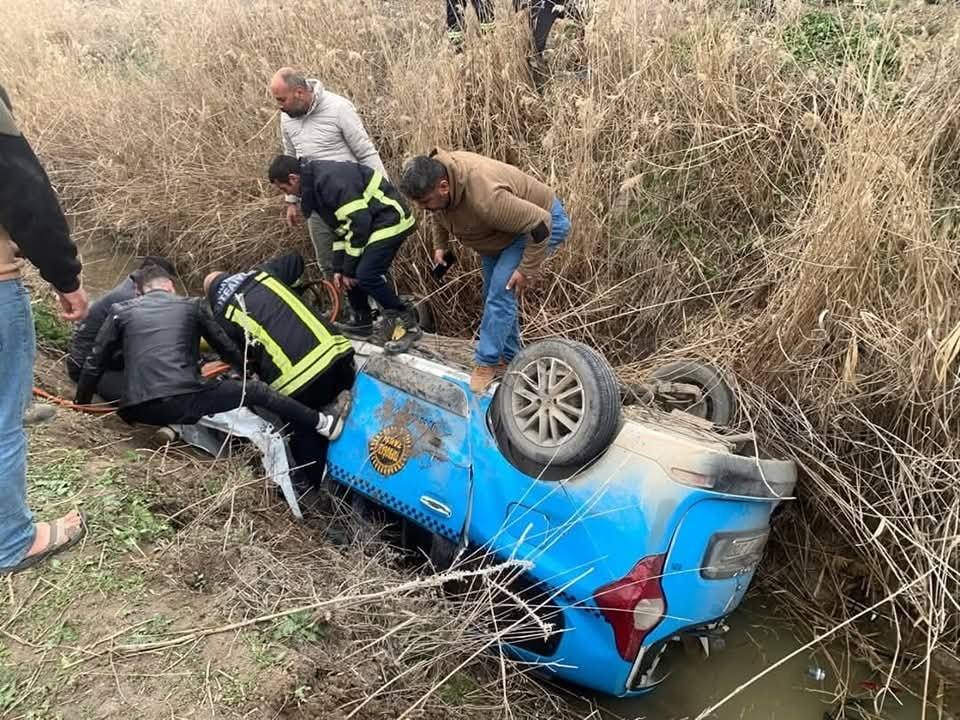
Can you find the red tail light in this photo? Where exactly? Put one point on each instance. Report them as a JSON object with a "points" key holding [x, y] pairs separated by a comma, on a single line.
{"points": [[634, 605]]}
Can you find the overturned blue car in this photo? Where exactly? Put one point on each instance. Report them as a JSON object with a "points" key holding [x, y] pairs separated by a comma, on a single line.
{"points": [[636, 526]]}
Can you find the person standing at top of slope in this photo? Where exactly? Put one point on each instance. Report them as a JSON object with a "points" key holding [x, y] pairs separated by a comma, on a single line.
{"points": [[511, 219], [316, 124], [32, 225]]}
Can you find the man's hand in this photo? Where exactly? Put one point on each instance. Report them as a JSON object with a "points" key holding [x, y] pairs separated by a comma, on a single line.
{"points": [[293, 215], [349, 283], [74, 305], [438, 257], [517, 282]]}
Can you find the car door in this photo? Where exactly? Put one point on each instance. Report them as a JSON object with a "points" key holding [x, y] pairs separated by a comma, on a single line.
{"points": [[405, 443]]}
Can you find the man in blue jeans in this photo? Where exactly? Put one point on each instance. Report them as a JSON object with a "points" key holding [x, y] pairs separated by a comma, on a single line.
{"points": [[32, 225], [511, 219]]}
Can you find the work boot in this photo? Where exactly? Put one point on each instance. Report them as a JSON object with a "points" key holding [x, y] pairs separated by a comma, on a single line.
{"points": [[482, 376], [406, 332], [38, 413], [341, 406], [357, 324], [164, 435]]}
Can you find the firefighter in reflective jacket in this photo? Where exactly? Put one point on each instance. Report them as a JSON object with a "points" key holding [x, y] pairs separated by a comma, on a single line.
{"points": [[290, 347], [371, 220]]}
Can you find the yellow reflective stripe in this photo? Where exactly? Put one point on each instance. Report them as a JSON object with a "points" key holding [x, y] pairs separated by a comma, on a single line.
{"points": [[344, 212], [295, 304], [251, 326], [406, 221], [317, 360], [339, 245]]}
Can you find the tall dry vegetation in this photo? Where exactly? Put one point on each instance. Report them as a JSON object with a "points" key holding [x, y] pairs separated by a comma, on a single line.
{"points": [[774, 195]]}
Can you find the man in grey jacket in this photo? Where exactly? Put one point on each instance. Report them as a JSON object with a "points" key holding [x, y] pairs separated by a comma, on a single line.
{"points": [[316, 124]]}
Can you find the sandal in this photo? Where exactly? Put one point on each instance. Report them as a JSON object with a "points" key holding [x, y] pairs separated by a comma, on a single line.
{"points": [[58, 529]]}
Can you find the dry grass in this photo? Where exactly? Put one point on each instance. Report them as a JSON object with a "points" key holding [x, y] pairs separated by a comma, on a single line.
{"points": [[736, 196]]}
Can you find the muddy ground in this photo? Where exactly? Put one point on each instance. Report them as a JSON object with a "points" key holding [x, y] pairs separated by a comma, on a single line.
{"points": [[181, 600]]}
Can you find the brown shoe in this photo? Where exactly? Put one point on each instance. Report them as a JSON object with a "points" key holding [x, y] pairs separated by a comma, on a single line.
{"points": [[481, 377]]}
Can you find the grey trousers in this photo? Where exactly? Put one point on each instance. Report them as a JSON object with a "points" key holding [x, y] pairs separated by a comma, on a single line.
{"points": [[321, 235]]}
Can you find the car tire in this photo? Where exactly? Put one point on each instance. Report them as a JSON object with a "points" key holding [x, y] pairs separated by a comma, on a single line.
{"points": [[571, 426], [719, 403]]}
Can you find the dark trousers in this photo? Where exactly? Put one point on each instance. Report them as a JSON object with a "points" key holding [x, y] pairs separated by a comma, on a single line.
{"points": [[324, 390], [374, 264], [309, 449], [221, 396], [456, 9], [110, 385], [543, 14]]}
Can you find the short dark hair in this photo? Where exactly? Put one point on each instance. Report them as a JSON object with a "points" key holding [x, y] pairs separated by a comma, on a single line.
{"points": [[282, 167], [420, 175], [159, 262], [149, 274]]}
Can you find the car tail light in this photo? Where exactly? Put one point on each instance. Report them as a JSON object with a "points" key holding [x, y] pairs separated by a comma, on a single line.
{"points": [[634, 605], [732, 553], [694, 479]]}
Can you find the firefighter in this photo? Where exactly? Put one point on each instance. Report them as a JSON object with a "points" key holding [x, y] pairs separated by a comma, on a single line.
{"points": [[290, 347], [370, 220]]}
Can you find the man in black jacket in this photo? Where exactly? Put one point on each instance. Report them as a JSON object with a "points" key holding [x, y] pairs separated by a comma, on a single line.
{"points": [[370, 220], [32, 225], [110, 387], [159, 334]]}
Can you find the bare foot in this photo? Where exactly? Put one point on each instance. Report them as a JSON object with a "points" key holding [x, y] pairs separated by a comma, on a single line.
{"points": [[71, 525]]}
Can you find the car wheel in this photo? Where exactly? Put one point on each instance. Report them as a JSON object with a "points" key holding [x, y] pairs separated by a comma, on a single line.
{"points": [[558, 404], [719, 402]]}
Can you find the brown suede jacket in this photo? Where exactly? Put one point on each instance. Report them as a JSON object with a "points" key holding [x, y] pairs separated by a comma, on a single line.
{"points": [[491, 203]]}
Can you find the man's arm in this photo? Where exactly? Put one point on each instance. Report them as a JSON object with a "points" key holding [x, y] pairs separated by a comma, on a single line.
{"points": [[30, 212], [218, 339], [288, 268], [511, 214], [108, 340], [288, 149], [355, 135]]}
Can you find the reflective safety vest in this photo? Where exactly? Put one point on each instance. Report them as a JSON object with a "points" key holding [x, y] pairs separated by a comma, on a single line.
{"points": [[360, 205], [290, 343]]}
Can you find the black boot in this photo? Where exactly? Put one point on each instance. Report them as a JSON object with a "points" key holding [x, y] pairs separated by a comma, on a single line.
{"points": [[356, 324], [406, 331]]}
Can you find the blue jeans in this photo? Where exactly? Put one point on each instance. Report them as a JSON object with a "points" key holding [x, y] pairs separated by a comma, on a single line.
{"points": [[500, 325], [17, 349]]}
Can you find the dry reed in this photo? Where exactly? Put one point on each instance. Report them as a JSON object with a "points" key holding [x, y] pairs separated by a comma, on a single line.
{"points": [[790, 216]]}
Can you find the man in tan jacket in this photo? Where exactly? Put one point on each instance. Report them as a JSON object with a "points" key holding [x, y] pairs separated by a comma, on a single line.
{"points": [[32, 226], [511, 219]]}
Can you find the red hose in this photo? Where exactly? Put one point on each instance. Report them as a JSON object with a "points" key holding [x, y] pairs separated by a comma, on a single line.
{"points": [[99, 409]]}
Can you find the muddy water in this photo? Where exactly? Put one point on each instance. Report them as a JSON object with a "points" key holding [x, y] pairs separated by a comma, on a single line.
{"points": [[104, 266], [759, 637]]}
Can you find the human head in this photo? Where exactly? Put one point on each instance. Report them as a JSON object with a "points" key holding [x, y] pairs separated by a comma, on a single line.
{"points": [[424, 180], [284, 174], [292, 92], [153, 277], [210, 279], [159, 262]]}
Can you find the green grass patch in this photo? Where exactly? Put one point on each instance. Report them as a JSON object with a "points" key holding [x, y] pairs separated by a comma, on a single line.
{"points": [[53, 333], [823, 39], [301, 627]]}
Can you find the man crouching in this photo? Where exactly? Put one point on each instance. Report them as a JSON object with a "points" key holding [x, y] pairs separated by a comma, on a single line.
{"points": [[370, 221]]}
